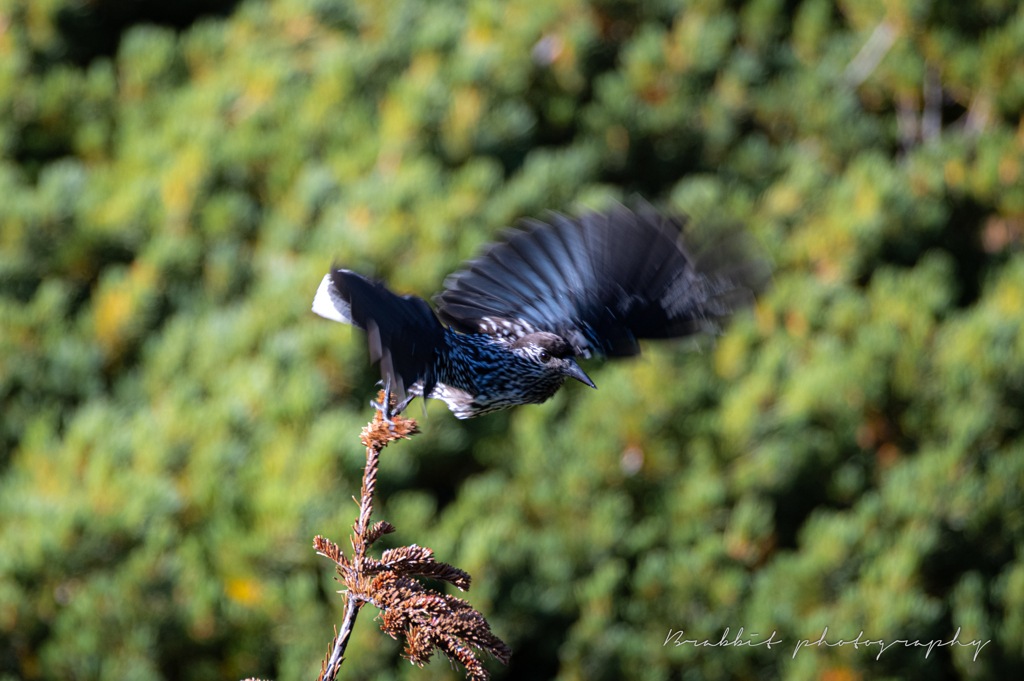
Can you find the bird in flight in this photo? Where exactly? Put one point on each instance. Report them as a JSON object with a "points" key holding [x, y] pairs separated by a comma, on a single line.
{"points": [[520, 314]]}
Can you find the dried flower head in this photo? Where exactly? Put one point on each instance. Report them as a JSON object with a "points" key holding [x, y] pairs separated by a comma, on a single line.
{"points": [[427, 619]]}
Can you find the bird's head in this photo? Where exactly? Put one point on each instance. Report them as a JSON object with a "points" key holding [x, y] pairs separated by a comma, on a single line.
{"points": [[551, 352]]}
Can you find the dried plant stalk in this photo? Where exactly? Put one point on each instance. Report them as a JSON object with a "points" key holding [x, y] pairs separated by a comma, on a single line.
{"points": [[428, 620]]}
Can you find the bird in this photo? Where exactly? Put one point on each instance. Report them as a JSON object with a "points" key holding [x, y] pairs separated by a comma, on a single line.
{"points": [[511, 323]]}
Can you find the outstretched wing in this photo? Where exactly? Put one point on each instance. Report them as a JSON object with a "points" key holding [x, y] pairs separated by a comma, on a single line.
{"points": [[602, 282], [403, 332]]}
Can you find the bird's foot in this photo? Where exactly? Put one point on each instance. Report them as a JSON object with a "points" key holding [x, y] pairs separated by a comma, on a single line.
{"points": [[387, 411], [384, 406]]}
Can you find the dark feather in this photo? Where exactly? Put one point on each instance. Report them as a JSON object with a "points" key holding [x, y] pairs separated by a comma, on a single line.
{"points": [[604, 281], [403, 332]]}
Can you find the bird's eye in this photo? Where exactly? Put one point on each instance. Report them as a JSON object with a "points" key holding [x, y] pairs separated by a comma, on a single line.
{"points": [[544, 356]]}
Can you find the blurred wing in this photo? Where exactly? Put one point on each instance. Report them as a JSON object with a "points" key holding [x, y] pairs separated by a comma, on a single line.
{"points": [[602, 282], [403, 332]]}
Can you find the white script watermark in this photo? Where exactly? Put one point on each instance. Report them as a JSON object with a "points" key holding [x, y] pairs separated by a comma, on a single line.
{"points": [[740, 640], [677, 638]]}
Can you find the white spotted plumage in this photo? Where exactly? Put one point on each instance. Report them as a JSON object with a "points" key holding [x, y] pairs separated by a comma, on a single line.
{"points": [[486, 373], [507, 328]]}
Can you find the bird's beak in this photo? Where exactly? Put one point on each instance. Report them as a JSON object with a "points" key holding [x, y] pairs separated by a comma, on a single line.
{"points": [[573, 370]]}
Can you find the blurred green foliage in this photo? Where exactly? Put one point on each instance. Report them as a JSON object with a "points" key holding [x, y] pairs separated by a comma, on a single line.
{"points": [[176, 426]]}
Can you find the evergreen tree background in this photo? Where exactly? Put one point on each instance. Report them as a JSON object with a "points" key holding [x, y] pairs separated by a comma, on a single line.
{"points": [[176, 426]]}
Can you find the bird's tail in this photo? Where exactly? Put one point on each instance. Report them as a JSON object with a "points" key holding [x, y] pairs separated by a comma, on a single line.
{"points": [[403, 332]]}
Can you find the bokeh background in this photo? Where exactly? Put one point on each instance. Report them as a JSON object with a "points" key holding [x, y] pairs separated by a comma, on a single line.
{"points": [[176, 426]]}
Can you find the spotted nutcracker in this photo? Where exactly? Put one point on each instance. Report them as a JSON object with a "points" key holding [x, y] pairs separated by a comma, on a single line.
{"points": [[519, 314]]}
